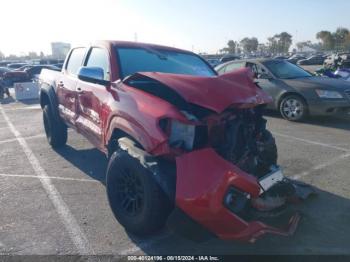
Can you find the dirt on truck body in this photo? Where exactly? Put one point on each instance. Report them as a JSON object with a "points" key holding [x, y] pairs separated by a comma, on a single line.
{"points": [[186, 147]]}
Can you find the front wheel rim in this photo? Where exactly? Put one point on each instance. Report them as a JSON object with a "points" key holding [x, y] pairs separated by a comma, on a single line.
{"points": [[292, 109], [130, 193]]}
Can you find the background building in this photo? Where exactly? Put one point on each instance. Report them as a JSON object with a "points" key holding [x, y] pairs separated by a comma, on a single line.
{"points": [[60, 49]]}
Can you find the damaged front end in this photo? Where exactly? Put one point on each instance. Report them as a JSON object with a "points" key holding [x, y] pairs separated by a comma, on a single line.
{"points": [[232, 183], [231, 203], [227, 177]]}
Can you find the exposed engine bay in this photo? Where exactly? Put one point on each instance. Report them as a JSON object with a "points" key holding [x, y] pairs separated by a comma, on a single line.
{"points": [[239, 136]]}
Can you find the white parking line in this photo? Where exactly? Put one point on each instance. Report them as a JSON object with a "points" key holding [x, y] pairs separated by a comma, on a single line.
{"points": [[76, 234], [312, 142], [321, 166], [26, 138], [51, 177], [33, 107]]}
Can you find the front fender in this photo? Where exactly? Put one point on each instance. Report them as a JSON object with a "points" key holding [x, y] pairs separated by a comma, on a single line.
{"points": [[137, 132]]}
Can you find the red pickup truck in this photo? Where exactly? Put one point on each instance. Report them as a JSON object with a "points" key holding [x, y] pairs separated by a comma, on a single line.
{"points": [[186, 147]]}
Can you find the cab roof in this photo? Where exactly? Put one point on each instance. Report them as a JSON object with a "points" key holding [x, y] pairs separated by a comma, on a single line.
{"points": [[130, 44]]}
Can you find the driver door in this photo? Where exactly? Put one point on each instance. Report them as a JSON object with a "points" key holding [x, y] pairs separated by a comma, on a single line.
{"points": [[90, 98]]}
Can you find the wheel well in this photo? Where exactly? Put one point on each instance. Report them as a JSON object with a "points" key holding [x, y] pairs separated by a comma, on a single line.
{"points": [[113, 141], [44, 100], [289, 94]]}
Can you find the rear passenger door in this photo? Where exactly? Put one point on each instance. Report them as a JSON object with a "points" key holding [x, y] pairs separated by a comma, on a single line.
{"points": [[91, 96], [66, 86]]}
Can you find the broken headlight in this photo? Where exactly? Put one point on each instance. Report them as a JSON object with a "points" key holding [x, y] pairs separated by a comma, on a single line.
{"points": [[236, 200], [181, 135], [188, 136]]}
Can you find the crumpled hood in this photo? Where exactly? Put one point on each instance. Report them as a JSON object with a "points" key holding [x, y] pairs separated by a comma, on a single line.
{"points": [[215, 93]]}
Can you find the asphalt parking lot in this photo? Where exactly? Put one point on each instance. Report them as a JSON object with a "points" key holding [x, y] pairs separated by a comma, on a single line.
{"points": [[54, 202]]}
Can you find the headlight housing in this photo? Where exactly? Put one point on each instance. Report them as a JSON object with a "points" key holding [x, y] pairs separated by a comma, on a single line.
{"points": [[181, 135], [186, 135], [236, 200], [328, 94]]}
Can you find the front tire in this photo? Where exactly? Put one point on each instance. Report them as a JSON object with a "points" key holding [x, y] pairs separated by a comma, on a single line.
{"points": [[137, 201], [293, 108], [55, 130], [267, 153]]}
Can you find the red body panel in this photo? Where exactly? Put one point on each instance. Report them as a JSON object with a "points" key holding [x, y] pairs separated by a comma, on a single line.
{"points": [[203, 179], [134, 113], [67, 98]]}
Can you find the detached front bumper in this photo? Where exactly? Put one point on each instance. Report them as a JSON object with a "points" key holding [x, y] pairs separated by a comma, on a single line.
{"points": [[203, 180]]}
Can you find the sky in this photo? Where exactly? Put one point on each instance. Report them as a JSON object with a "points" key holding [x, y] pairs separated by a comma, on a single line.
{"points": [[197, 25]]}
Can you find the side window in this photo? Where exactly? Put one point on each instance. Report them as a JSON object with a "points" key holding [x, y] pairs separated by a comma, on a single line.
{"points": [[234, 66], [256, 69], [37, 70], [75, 60], [253, 68], [222, 70], [99, 58]]}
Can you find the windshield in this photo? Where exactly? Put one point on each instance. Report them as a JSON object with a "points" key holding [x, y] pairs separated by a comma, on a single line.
{"points": [[134, 60], [285, 70]]}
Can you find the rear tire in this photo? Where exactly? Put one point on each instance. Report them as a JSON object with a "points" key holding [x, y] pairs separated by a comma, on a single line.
{"points": [[137, 201], [293, 108], [56, 130]]}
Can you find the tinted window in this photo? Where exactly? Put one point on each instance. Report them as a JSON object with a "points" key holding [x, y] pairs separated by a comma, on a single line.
{"points": [[75, 60], [134, 60], [99, 58], [35, 70], [285, 70]]}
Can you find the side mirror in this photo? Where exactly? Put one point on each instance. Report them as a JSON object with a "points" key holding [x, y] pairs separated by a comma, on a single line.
{"points": [[93, 75]]}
